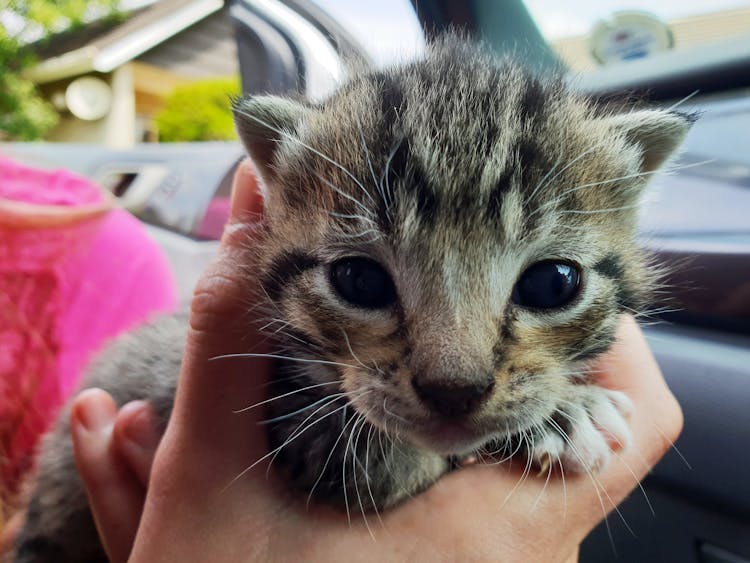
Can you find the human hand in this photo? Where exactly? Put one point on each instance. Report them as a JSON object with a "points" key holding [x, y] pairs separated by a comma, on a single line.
{"points": [[477, 513]]}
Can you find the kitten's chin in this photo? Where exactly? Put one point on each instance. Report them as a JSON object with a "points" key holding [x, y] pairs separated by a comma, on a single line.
{"points": [[449, 438]]}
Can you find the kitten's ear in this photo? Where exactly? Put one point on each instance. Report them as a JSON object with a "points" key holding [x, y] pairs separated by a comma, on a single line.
{"points": [[658, 133], [262, 122]]}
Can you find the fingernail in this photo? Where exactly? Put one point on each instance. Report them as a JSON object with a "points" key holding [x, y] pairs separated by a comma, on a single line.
{"points": [[94, 410], [246, 199], [139, 428]]}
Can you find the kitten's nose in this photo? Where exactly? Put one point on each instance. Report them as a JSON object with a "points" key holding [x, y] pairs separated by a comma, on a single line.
{"points": [[452, 399]]}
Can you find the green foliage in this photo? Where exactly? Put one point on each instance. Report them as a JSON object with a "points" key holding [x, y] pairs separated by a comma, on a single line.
{"points": [[24, 114], [199, 111]]}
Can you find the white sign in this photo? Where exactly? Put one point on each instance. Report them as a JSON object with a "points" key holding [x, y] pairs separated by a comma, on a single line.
{"points": [[628, 36]]}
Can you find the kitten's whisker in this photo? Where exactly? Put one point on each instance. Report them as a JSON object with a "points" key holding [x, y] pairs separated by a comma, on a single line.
{"points": [[673, 446], [328, 459], [387, 458], [594, 482], [682, 101], [348, 345], [559, 198], [266, 401], [386, 171], [282, 357], [355, 463], [269, 300], [563, 169], [351, 216], [394, 415], [303, 409], [343, 465], [564, 488], [362, 234], [272, 322], [635, 477], [526, 469], [367, 473], [630, 470], [339, 191], [301, 428], [385, 418], [544, 178], [380, 444], [276, 450], [597, 483], [549, 474], [282, 327], [369, 162], [310, 346], [597, 211]]}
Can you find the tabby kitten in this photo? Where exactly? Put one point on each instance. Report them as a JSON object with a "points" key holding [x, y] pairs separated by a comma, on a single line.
{"points": [[450, 242]]}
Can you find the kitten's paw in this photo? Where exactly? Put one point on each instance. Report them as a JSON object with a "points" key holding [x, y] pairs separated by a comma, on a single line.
{"points": [[589, 427]]}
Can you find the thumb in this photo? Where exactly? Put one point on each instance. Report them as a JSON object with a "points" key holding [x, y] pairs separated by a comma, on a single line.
{"points": [[221, 372]]}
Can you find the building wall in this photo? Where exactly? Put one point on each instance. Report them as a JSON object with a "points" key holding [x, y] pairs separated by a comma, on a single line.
{"points": [[117, 129], [206, 49]]}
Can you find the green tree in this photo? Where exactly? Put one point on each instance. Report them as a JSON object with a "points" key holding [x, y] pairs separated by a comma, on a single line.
{"points": [[24, 114], [199, 111]]}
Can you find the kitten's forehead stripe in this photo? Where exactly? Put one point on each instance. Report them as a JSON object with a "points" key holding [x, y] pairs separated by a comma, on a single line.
{"points": [[497, 194], [391, 96], [405, 172], [533, 100]]}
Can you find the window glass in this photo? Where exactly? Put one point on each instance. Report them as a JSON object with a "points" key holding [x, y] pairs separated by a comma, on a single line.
{"points": [[589, 34], [387, 29]]}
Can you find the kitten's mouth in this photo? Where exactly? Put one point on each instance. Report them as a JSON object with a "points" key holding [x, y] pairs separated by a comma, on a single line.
{"points": [[450, 437]]}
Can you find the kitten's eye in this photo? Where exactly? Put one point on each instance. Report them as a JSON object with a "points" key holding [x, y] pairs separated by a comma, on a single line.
{"points": [[362, 282], [547, 285]]}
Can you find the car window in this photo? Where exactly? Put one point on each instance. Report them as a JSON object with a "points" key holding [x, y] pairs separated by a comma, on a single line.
{"points": [[388, 30], [591, 34]]}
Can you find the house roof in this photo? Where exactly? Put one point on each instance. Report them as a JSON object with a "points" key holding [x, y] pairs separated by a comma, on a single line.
{"points": [[103, 46]]}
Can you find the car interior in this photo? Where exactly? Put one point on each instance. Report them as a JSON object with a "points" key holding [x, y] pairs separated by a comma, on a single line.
{"points": [[694, 506]]}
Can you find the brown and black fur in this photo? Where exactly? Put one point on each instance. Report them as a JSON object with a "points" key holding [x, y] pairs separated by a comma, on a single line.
{"points": [[455, 174]]}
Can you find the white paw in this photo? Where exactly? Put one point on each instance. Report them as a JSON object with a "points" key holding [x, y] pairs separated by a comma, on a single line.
{"points": [[591, 424]]}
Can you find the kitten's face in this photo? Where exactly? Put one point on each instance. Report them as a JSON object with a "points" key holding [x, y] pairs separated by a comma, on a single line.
{"points": [[459, 242]]}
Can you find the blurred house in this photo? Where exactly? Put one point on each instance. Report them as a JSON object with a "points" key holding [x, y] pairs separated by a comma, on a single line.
{"points": [[687, 32], [108, 79]]}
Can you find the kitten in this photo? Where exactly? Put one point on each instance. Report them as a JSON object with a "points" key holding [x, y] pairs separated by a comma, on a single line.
{"points": [[454, 239]]}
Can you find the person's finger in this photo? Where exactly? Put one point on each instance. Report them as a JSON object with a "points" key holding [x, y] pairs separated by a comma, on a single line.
{"points": [[247, 201], [223, 367], [9, 532], [114, 493], [224, 370], [136, 438]]}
